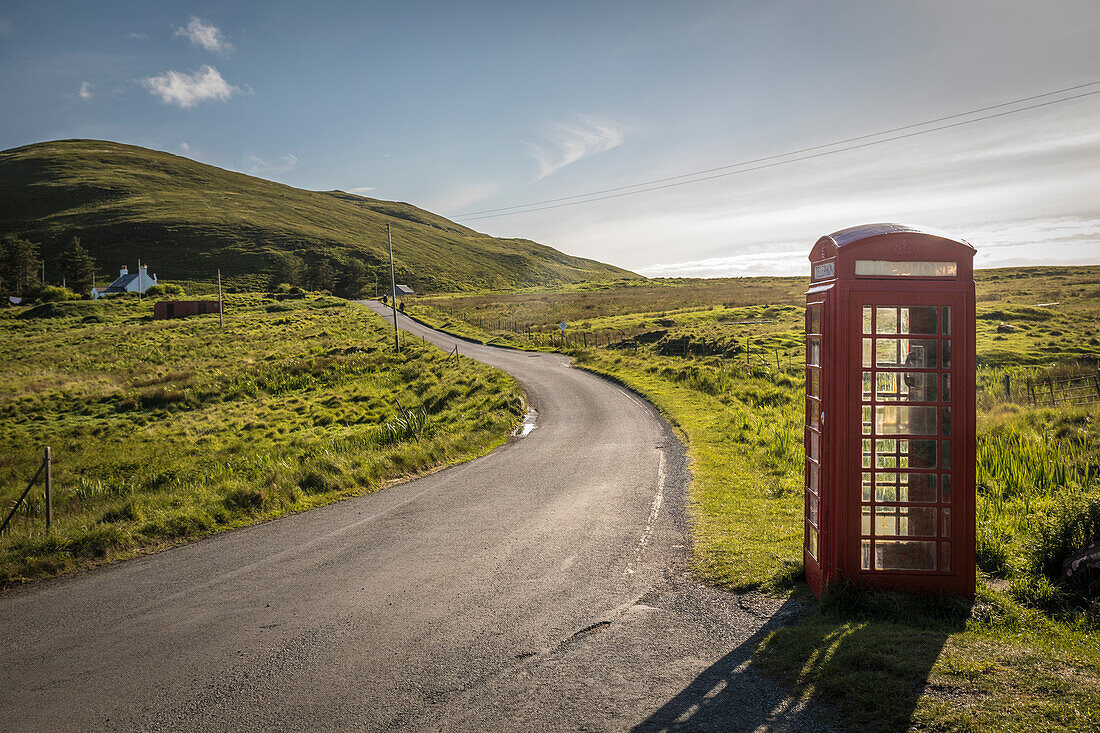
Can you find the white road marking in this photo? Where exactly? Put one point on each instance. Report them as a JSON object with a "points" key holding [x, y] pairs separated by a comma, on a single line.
{"points": [[652, 521]]}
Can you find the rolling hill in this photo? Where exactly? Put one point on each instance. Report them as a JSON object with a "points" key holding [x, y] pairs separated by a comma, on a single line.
{"points": [[187, 219]]}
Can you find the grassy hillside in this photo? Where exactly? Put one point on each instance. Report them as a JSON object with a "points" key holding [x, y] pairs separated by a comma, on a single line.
{"points": [[186, 219]]}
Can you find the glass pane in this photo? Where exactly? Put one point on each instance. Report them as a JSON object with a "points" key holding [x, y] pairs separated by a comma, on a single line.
{"points": [[945, 556], [867, 419], [815, 410], [814, 380], [946, 420], [867, 319], [865, 547], [918, 320], [811, 508], [904, 521], [867, 485], [814, 324], [811, 541], [922, 453], [867, 452], [815, 446], [907, 353], [886, 320], [815, 478], [868, 382], [905, 555], [945, 522], [905, 454], [947, 320], [902, 420], [867, 352], [865, 525], [906, 386], [946, 354], [904, 487], [946, 483], [813, 352], [946, 387], [945, 452]]}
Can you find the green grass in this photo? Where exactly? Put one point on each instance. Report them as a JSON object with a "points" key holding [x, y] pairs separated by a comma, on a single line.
{"points": [[169, 430], [1026, 655], [187, 219]]}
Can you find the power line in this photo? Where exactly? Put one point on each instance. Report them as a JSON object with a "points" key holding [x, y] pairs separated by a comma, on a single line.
{"points": [[621, 191]]}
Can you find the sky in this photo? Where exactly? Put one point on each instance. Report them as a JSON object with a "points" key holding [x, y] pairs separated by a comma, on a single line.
{"points": [[467, 107]]}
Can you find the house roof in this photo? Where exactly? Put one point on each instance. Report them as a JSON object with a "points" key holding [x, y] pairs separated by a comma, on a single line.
{"points": [[404, 290], [123, 280]]}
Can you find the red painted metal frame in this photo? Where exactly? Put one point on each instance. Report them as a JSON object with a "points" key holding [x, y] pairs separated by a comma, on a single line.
{"points": [[842, 295]]}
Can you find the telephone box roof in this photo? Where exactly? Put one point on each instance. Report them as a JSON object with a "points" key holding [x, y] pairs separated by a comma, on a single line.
{"points": [[866, 231]]}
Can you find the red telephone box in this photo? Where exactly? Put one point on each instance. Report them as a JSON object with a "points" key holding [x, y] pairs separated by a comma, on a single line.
{"points": [[890, 411]]}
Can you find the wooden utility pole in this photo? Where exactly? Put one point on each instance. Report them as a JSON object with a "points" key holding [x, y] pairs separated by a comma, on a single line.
{"points": [[393, 294], [141, 293], [221, 303], [49, 488]]}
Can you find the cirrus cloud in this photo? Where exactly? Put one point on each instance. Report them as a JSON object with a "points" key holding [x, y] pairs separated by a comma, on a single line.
{"points": [[186, 90], [206, 35], [568, 142]]}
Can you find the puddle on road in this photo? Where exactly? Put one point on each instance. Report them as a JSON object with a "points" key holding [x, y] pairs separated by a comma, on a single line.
{"points": [[528, 425]]}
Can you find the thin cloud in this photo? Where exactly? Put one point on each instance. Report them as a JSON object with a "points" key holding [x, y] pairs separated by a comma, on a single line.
{"points": [[361, 190], [184, 147], [139, 36], [186, 90], [568, 142], [85, 91], [258, 165], [206, 35]]}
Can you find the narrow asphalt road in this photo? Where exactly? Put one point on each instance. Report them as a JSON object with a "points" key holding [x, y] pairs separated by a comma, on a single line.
{"points": [[542, 587]]}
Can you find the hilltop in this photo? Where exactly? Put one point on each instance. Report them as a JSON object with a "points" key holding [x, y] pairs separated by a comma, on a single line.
{"points": [[187, 219]]}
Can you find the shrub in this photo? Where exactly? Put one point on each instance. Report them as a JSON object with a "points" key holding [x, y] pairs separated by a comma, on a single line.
{"points": [[165, 289], [55, 294], [1072, 522]]}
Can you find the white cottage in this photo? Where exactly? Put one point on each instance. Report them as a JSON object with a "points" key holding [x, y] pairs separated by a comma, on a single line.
{"points": [[126, 282]]}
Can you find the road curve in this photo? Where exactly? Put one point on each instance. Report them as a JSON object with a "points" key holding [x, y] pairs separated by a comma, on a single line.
{"points": [[539, 587]]}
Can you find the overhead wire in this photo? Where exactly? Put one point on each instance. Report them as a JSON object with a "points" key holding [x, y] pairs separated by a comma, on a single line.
{"points": [[700, 176]]}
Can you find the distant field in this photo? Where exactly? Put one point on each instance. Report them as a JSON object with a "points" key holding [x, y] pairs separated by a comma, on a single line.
{"points": [[723, 360], [168, 430]]}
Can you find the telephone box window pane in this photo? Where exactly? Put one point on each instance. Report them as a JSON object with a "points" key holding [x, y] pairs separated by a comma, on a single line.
{"points": [[815, 383], [811, 544], [945, 522], [946, 387], [904, 521], [865, 525], [811, 509], [947, 421], [867, 419], [902, 420], [945, 453], [867, 319], [946, 354], [922, 454], [947, 320], [814, 319], [907, 353], [813, 352], [867, 485], [815, 411], [866, 453], [867, 359], [905, 555], [946, 483], [886, 320], [906, 487], [865, 562], [868, 385], [920, 320], [945, 556], [906, 386], [815, 446], [815, 478]]}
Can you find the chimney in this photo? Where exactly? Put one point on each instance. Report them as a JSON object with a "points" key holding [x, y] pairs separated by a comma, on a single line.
{"points": [[144, 269], [123, 271]]}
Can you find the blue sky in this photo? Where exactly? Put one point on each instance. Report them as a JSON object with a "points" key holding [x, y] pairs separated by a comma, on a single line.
{"points": [[462, 107]]}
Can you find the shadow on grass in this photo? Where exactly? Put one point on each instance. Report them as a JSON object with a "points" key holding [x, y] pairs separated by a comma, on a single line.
{"points": [[862, 656]]}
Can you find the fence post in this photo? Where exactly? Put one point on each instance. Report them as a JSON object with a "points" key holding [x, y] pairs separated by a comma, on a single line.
{"points": [[1098, 382], [1008, 389], [48, 459], [1053, 401]]}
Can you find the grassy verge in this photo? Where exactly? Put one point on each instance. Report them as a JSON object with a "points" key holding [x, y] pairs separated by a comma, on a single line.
{"points": [[170, 430]]}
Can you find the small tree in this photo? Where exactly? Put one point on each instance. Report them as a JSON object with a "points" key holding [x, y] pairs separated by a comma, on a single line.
{"points": [[19, 266], [77, 266]]}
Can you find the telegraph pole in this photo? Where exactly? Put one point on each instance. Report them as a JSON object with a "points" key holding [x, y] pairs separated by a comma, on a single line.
{"points": [[221, 303], [393, 294]]}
